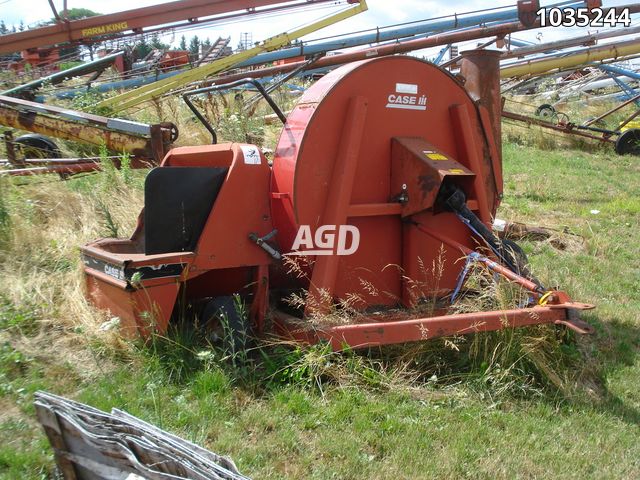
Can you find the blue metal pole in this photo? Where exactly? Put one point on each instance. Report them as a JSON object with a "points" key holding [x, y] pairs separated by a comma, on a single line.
{"points": [[427, 27], [620, 71], [613, 73]]}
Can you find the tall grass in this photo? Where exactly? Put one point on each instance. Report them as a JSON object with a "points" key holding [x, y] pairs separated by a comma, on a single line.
{"points": [[46, 221]]}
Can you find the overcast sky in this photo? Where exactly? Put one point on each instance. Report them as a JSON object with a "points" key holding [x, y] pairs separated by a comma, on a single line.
{"points": [[381, 13]]}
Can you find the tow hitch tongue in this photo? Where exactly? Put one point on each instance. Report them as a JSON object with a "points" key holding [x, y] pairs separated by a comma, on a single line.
{"points": [[393, 154]]}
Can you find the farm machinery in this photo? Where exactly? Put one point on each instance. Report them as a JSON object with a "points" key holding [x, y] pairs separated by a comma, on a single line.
{"points": [[383, 167]]}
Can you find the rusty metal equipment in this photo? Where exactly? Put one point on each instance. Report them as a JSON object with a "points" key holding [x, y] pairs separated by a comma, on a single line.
{"points": [[498, 30], [394, 152], [27, 90], [624, 137], [138, 20], [147, 144]]}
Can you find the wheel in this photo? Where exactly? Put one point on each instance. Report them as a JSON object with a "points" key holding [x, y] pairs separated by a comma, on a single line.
{"points": [[225, 326], [545, 111], [519, 258], [173, 130], [174, 133], [561, 118], [38, 146], [628, 142]]}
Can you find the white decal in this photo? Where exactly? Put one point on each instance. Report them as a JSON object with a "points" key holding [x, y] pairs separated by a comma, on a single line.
{"points": [[114, 272], [407, 88], [406, 97], [251, 154], [325, 240]]}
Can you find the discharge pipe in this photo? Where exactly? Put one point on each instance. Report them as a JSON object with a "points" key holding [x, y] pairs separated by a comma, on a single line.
{"points": [[481, 72]]}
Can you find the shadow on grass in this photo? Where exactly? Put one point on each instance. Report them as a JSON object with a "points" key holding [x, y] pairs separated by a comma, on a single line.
{"points": [[616, 345]]}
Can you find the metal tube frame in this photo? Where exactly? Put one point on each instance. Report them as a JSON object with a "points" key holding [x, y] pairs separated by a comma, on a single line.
{"points": [[226, 86]]}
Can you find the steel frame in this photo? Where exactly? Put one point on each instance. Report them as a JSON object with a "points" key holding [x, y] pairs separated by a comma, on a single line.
{"points": [[156, 89], [135, 20]]}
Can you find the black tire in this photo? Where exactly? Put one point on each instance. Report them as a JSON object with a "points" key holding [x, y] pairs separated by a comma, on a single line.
{"points": [[628, 143], [546, 111], [518, 257], [225, 327], [38, 146]]}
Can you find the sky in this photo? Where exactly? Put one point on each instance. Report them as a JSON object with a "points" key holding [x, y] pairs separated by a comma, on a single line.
{"points": [[380, 13]]}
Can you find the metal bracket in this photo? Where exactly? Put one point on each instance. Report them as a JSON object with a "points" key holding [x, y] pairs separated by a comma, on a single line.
{"points": [[262, 243]]}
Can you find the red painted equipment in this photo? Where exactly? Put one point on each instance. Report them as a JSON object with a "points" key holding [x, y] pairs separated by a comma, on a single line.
{"points": [[173, 59], [393, 148], [135, 21], [45, 59]]}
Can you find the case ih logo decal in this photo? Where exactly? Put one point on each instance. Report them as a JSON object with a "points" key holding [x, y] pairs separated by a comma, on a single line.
{"points": [[406, 97], [325, 241]]}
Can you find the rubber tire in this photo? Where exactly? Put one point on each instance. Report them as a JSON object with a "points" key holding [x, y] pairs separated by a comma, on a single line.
{"points": [[628, 143], [518, 255], [43, 146], [238, 334], [545, 111]]}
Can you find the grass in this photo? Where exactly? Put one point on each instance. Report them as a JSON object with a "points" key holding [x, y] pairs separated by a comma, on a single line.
{"points": [[559, 408]]}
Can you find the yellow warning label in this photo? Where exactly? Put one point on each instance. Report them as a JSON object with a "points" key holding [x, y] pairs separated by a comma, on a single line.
{"points": [[436, 156], [103, 29], [456, 171]]}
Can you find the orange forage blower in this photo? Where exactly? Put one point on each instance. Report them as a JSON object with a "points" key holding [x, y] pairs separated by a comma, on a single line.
{"points": [[384, 166]]}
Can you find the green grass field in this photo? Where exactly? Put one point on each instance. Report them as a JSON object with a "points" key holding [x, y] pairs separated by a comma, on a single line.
{"points": [[569, 410]]}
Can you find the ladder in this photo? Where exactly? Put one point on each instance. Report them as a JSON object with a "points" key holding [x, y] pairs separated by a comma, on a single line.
{"points": [[217, 50]]}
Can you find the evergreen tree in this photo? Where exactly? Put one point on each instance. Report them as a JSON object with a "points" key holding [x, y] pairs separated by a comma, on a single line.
{"points": [[3, 28], [142, 49], [183, 43], [194, 46], [156, 43], [21, 26]]}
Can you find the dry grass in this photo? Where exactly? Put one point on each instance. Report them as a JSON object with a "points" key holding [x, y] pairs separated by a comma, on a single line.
{"points": [[39, 259]]}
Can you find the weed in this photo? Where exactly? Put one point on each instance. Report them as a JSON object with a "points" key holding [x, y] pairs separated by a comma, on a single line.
{"points": [[87, 101], [23, 319], [110, 226], [5, 219]]}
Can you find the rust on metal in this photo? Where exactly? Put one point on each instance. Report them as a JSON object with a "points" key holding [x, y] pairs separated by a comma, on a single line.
{"points": [[395, 149], [568, 128], [89, 129], [130, 20]]}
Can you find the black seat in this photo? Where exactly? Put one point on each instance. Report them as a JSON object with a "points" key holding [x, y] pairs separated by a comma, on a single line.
{"points": [[177, 203]]}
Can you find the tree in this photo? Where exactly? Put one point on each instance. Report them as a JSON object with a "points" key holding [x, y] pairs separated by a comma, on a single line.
{"points": [[142, 49], [183, 43], [76, 14], [21, 26], [156, 43], [79, 13], [206, 45], [194, 46], [3, 28]]}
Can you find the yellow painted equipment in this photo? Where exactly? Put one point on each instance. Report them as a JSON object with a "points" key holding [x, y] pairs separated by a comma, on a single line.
{"points": [[156, 89], [582, 57]]}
